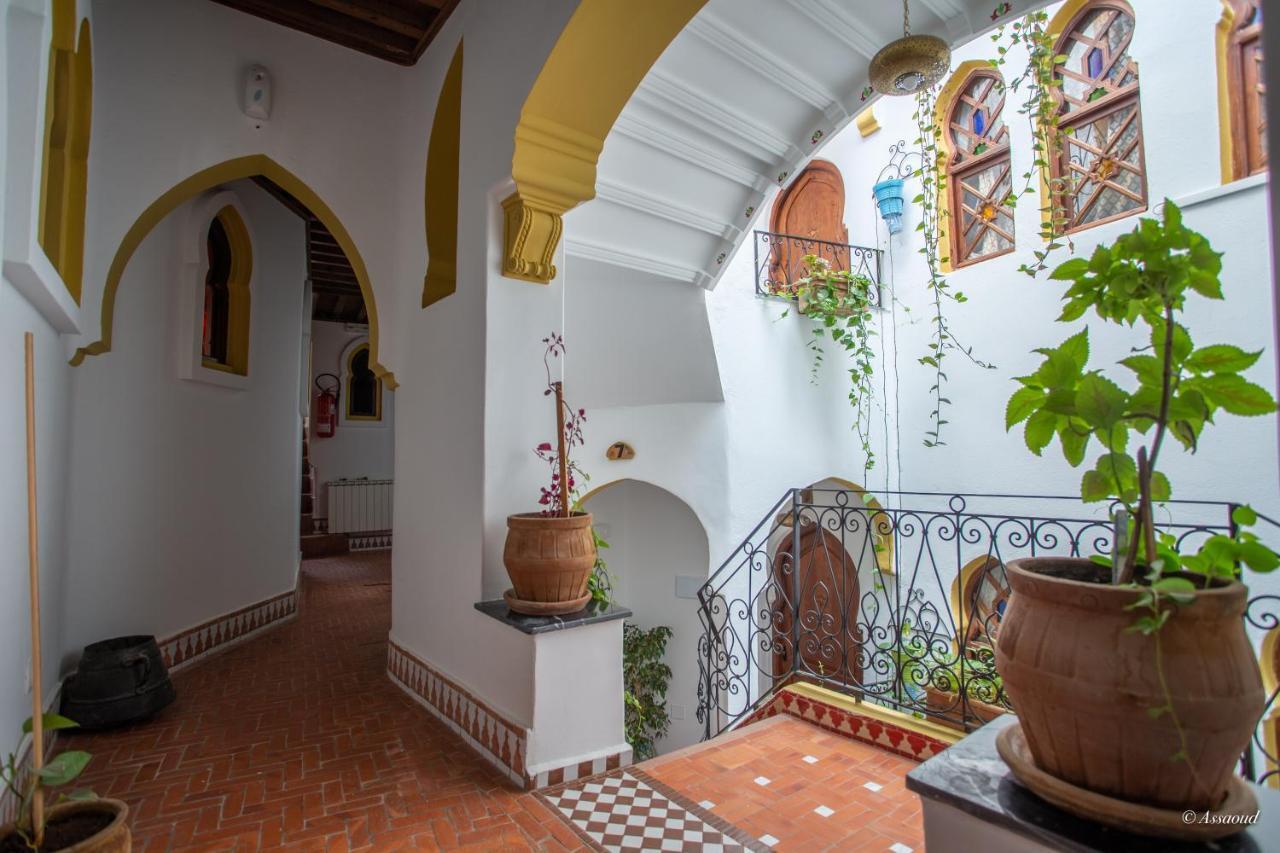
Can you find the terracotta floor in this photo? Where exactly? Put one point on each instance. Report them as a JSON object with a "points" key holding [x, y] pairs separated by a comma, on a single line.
{"points": [[298, 740]]}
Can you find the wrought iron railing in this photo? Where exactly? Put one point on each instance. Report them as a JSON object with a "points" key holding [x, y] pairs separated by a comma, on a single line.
{"points": [[779, 260], [897, 600]]}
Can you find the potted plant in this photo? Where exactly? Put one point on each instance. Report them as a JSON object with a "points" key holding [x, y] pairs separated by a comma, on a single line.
{"points": [[79, 822], [982, 689], [645, 679], [550, 554], [1133, 677]]}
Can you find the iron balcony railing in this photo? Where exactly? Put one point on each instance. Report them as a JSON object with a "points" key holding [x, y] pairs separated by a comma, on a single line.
{"points": [[779, 262], [898, 601]]}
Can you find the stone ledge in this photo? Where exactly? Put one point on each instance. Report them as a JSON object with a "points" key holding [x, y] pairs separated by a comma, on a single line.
{"points": [[589, 615]]}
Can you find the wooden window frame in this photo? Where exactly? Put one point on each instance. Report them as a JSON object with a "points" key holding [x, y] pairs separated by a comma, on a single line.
{"points": [[1244, 162], [239, 277], [1090, 112], [962, 164]]}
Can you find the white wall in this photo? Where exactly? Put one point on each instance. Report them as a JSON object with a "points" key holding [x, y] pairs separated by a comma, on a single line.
{"points": [[655, 538], [358, 448], [185, 494]]}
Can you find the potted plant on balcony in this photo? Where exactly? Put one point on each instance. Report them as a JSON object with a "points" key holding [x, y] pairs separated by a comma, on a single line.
{"points": [[1133, 679], [550, 554]]}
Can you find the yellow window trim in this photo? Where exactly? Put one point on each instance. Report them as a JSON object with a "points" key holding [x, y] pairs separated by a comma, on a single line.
{"points": [[377, 394], [1222, 39], [1270, 678], [206, 179], [941, 113], [238, 296], [443, 154], [64, 174]]}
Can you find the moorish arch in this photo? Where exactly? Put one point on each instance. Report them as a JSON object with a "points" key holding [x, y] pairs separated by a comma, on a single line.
{"points": [[250, 166]]}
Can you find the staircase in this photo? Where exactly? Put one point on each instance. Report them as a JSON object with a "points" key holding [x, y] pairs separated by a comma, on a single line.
{"points": [[313, 543]]}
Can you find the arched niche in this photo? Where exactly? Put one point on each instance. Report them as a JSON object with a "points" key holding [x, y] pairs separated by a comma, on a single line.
{"points": [[658, 556], [225, 172]]}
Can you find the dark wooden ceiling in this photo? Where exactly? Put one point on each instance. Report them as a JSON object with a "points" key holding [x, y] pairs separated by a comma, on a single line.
{"points": [[395, 30], [335, 291]]}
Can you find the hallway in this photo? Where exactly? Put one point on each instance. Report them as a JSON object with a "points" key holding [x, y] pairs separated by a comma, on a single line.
{"points": [[297, 739]]}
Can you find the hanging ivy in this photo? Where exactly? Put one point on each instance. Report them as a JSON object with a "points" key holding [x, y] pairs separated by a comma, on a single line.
{"points": [[842, 303], [933, 187], [1038, 80]]}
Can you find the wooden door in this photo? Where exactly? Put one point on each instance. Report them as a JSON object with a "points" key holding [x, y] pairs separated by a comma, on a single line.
{"points": [[827, 609], [809, 219]]}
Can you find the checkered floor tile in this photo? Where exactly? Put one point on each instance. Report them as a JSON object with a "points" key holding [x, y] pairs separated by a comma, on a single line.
{"points": [[622, 812]]}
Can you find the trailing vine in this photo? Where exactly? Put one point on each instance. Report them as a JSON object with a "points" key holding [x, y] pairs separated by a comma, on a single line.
{"points": [[1039, 80], [933, 186], [842, 302]]}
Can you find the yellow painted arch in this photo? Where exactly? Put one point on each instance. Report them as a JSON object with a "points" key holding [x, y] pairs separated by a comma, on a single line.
{"points": [[206, 179]]}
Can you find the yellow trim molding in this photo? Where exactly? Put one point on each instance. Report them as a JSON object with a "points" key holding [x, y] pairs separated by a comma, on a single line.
{"points": [[1222, 45], [347, 380], [866, 122], [206, 179], [971, 568], [879, 521], [64, 176], [866, 709], [597, 63], [1268, 657], [238, 297], [443, 153], [941, 113]]}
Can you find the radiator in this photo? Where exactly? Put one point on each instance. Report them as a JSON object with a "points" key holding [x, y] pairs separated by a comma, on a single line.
{"points": [[359, 506]]}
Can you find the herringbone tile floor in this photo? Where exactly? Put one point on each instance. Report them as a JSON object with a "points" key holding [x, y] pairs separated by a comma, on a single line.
{"points": [[297, 740]]}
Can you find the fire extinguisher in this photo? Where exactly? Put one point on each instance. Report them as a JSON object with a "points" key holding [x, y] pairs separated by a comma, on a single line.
{"points": [[327, 405]]}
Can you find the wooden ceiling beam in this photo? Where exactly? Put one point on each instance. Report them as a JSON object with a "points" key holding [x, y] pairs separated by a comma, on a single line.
{"points": [[331, 26], [383, 17]]}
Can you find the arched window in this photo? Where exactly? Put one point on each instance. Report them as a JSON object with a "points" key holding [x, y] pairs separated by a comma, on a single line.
{"points": [[1098, 172], [1245, 88], [224, 343], [364, 389], [65, 169], [979, 170]]}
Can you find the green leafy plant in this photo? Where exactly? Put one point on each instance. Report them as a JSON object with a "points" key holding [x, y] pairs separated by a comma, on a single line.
{"points": [[1143, 278], [645, 679], [600, 584], [933, 186], [24, 783], [842, 303], [1038, 81]]}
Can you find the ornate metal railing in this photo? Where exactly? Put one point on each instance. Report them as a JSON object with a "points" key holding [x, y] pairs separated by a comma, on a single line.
{"points": [[779, 260], [896, 600]]}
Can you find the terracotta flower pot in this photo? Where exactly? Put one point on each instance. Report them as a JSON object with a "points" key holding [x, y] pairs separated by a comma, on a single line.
{"points": [[549, 560], [62, 830], [1083, 687], [944, 702]]}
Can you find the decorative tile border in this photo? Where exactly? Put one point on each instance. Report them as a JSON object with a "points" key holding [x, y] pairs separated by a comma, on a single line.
{"points": [[379, 540], [221, 633], [498, 740], [852, 724]]}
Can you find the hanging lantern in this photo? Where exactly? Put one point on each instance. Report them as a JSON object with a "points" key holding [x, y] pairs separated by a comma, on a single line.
{"points": [[911, 63], [889, 198]]}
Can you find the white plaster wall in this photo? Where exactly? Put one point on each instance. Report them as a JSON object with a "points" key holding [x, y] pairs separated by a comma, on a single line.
{"points": [[654, 539], [357, 448], [185, 495]]}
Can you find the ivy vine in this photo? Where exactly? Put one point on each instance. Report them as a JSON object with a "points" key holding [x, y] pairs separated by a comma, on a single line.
{"points": [[1039, 80], [933, 186], [842, 303]]}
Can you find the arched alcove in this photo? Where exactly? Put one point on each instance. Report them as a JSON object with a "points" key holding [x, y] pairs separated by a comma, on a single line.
{"points": [[658, 555]]}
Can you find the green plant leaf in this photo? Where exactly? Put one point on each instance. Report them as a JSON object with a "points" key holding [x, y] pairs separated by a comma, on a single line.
{"points": [[1094, 487], [1070, 270], [1244, 516], [64, 767], [50, 722], [1237, 395], [1039, 430], [1074, 443], [1100, 401], [1160, 488], [1147, 368], [1020, 406], [1222, 358]]}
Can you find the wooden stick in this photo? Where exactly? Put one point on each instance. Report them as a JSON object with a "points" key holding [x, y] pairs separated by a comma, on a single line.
{"points": [[560, 448], [33, 569]]}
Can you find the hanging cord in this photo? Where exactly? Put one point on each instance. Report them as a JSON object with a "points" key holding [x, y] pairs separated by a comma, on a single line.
{"points": [[906, 18], [897, 383]]}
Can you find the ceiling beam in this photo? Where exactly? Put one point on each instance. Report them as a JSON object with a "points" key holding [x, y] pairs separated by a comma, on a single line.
{"points": [[675, 144], [738, 46], [828, 16]]}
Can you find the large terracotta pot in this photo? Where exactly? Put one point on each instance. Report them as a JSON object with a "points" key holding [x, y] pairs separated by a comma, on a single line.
{"points": [[1083, 687], [113, 838], [549, 560]]}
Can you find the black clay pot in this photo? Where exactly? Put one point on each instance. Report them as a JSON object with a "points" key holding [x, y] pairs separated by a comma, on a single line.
{"points": [[119, 681]]}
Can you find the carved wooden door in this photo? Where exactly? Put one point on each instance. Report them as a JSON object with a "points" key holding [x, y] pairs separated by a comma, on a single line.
{"points": [[809, 219], [828, 636]]}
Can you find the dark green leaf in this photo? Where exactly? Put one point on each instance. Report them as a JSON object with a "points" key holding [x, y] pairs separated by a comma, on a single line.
{"points": [[64, 767]]}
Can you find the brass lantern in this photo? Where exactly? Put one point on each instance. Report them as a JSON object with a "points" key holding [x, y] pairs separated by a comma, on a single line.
{"points": [[911, 63]]}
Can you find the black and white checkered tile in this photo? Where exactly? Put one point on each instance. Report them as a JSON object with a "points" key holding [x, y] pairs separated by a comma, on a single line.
{"points": [[621, 812]]}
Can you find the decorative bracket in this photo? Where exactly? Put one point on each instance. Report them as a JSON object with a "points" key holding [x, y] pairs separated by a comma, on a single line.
{"points": [[531, 233]]}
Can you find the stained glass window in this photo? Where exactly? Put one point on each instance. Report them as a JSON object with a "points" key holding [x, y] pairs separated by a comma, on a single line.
{"points": [[980, 175], [1099, 170]]}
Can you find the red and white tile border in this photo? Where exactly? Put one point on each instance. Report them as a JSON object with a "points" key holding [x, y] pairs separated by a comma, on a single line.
{"points": [[498, 740], [799, 700], [221, 633]]}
